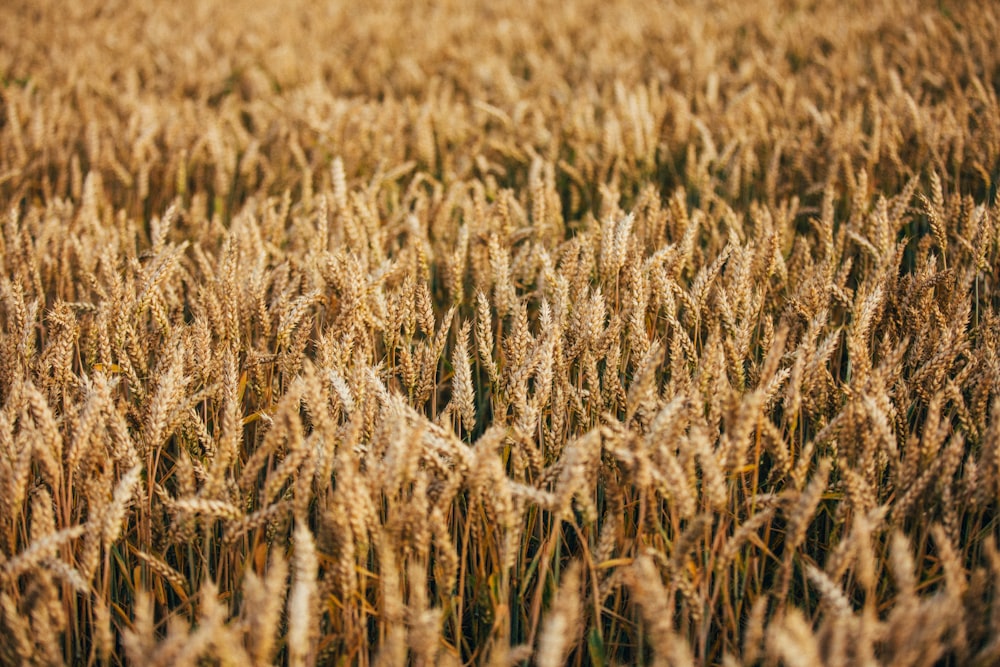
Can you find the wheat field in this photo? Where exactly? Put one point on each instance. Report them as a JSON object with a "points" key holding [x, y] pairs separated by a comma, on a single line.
{"points": [[549, 333]]}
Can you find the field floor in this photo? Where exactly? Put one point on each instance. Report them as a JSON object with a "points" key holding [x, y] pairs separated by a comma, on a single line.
{"points": [[564, 332]]}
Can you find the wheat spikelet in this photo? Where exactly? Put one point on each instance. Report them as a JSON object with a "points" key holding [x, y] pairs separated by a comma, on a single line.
{"points": [[792, 641], [560, 629], [238, 526], [157, 565], [49, 445], [800, 516], [393, 650], [40, 549], [301, 598], [206, 507], [103, 632], [644, 582], [114, 516], [262, 608], [463, 392]]}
